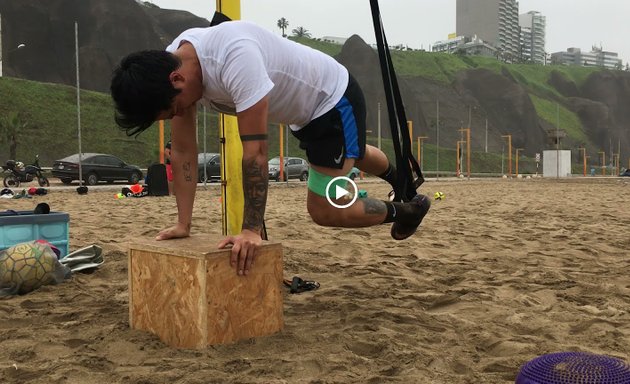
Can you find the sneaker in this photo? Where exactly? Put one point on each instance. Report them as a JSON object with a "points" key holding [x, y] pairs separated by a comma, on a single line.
{"points": [[401, 231]]}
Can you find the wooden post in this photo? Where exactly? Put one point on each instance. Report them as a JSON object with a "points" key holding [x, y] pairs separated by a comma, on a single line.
{"points": [[189, 295], [603, 163], [509, 139], [517, 151], [232, 197], [458, 163], [420, 147], [583, 159]]}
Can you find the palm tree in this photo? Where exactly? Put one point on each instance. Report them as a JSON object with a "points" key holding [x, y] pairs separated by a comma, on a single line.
{"points": [[301, 32], [283, 24], [9, 127]]}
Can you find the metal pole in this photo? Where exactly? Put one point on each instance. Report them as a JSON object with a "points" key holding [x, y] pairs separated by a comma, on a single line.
{"points": [[502, 158], [379, 125], [437, 140], [287, 151], [468, 153], [76, 48], [557, 140], [0, 45], [486, 135], [205, 170]]}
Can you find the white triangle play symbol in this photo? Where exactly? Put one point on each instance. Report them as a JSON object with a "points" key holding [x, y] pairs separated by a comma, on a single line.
{"points": [[340, 192]]}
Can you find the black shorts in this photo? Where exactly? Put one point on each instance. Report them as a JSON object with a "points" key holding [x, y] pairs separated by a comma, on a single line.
{"points": [[338, 133]]}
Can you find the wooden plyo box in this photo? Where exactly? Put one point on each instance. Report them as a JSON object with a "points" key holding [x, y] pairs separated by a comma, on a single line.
{"points": [[186, 292]]}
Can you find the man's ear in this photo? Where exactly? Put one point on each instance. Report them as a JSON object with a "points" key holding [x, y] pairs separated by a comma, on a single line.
{"points": [[176, 78]]}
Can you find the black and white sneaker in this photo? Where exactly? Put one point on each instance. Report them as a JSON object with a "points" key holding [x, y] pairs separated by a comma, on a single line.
{"points": [[402, 230]]}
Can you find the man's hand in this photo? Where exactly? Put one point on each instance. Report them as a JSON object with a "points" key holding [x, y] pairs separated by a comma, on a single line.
{"points": [[176, 231], [244, 249]]}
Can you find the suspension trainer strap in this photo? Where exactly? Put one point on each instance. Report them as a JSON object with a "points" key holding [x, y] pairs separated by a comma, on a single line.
{"points": [[406, 164]]}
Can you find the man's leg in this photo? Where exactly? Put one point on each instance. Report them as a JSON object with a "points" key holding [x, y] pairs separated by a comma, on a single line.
{"points": [[376, 163], [364, 212]]}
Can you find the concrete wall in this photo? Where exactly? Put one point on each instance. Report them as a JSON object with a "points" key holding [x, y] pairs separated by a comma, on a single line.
{"points": [[556, 163]]}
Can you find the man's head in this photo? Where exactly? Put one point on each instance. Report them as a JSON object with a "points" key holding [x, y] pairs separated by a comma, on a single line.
{"points": [[142, 87], [167, 149]]}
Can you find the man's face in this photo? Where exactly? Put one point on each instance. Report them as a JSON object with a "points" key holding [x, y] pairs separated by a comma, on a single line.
{"points": [[177, 108], [190, 93]]}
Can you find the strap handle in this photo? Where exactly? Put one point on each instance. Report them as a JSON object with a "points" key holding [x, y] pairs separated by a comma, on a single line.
{"points": [[406, 164]]}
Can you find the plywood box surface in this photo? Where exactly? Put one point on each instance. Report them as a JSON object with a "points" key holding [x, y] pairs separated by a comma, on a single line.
{"points": [[186, 292]]}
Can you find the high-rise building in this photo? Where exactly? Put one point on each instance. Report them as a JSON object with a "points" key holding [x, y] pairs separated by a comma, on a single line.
{"points": [[493, 21], [533, 26]]}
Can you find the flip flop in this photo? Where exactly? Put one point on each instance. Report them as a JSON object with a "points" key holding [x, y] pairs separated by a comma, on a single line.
{"points": [[85, 258], [297, 285], [401, 231]]}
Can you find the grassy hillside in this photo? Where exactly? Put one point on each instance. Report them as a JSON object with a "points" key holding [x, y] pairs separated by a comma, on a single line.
{"points": [[49, 112]]}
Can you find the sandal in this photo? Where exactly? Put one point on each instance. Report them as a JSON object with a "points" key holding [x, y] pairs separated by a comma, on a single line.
{"points": [[401, 231], [297, 285]]}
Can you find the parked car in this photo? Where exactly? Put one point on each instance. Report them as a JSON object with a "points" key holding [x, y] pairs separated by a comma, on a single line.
{"points": [[294, 167], [95, 167], [354, 173], [212, 165], [626, 173]]}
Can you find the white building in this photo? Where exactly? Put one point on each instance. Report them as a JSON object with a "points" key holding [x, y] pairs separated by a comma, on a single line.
{"points": [[465, 45], [335, 39], [493, 21], [596, 58], [533, 26]]}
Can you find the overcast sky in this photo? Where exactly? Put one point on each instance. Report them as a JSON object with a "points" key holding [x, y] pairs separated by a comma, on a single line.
{"points": [[420, 23]]}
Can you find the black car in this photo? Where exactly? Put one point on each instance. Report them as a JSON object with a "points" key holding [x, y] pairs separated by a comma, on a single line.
{"points": [[212, 166], [95, 167], [295, 167]]}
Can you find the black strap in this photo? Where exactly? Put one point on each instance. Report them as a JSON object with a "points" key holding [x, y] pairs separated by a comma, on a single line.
{"points": [[405, 161], [218, 18]]}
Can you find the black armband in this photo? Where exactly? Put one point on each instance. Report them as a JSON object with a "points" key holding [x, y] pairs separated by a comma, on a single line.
{"points": [[253, 137]]}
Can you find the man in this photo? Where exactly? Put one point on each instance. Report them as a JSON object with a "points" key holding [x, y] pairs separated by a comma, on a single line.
{"points": [[169, 167], [239, 68]]}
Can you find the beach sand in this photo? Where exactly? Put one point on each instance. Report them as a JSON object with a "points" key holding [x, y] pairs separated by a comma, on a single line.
{"points": [[502, 271]]}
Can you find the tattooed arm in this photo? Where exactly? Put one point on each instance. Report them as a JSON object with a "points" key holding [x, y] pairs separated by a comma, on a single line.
{"points": [[252, 125], [184, 163]]}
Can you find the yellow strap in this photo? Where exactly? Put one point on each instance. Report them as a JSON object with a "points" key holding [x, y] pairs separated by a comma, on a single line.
{"points": [[232, 199]]}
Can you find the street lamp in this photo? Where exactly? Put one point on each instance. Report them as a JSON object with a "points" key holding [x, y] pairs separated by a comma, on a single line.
{"points": [[20, 46]]}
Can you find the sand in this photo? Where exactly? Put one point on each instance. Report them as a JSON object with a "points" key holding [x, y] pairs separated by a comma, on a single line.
{"points": [[502, 271]]}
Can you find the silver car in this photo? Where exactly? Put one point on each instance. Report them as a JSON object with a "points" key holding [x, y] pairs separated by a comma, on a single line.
{"points": [[294, 167]]}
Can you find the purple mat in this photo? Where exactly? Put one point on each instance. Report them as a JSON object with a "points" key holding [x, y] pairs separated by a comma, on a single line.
{"points": [[574, 368]]}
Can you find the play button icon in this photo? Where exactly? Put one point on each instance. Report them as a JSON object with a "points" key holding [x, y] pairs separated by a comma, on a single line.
{"points": [[340, 192]]}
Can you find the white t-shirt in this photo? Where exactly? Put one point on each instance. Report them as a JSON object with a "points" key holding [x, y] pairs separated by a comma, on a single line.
{"points": [[242, 62]]}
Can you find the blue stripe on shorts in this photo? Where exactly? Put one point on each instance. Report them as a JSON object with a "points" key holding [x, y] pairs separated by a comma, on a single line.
{"points": [[349, 128]]}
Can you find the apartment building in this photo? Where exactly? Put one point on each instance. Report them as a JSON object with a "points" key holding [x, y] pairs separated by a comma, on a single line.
{"points": [[596, 58], [533, 25], [493, 21]]}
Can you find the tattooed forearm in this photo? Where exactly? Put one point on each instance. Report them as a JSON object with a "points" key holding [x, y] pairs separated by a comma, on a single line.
{"points": [[255, 184], [374, 207], [187, 174]]}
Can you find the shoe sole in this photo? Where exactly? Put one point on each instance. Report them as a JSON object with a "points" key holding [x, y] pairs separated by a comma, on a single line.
{"points": [[407, 231]]}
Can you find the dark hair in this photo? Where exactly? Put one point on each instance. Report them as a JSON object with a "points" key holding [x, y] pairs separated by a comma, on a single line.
{"points": [[141, 88]]}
